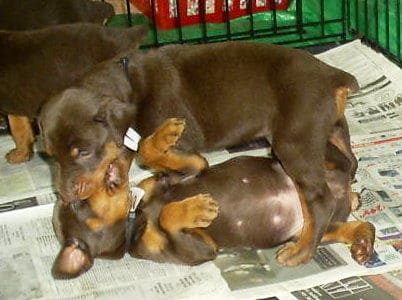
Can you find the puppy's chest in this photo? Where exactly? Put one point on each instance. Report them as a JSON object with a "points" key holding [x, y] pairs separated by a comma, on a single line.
{"points": [[110, 210]]}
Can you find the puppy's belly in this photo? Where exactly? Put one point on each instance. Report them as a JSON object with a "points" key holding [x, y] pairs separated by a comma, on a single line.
{"points": [[260, 209], [265, 221]]}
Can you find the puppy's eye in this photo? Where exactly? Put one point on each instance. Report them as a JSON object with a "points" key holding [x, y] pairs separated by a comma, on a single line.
{"points": [[80, 153]]}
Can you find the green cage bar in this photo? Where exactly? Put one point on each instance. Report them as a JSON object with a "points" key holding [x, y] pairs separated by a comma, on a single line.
{"points": [[378, 23], [304, 23]]}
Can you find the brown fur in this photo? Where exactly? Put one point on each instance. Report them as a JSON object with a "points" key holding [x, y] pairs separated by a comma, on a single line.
{"points": [[34, 65], [178, 221], [168, 207], [37, 14], [229, 93]]}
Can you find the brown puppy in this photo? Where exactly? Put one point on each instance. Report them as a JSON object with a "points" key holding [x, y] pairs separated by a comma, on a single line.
{"points": [[229, 93], [178, 219], [36, 14], [259, 207], [34, 65], [96, 227]]}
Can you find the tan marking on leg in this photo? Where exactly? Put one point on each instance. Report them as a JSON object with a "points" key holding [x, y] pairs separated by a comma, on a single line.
{"points": [[293, 254], [152, 240], [148, 185], [360, 234], [157, 152], [192, 212], [22, 133]]}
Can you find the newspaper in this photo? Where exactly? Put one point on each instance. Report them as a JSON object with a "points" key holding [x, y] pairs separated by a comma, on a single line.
{"points": [[28, 245]]}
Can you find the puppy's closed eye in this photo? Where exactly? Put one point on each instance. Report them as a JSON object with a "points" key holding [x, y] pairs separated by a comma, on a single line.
{"points": [[75, 152]]}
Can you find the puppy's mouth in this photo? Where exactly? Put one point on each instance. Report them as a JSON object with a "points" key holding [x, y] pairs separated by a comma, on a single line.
{"points": [[113, 177]]}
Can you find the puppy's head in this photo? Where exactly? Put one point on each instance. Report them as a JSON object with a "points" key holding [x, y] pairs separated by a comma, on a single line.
{"points": [[84, 132]]}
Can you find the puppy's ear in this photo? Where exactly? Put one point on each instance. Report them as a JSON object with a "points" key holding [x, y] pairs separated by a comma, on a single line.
{"points": [[116, 116], [136, 34], [73, 260]]}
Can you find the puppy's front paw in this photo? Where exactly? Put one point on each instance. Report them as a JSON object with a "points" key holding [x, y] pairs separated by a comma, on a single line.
{"points": [[17, 156], [167, 135], [192, 212], [292, 254]]}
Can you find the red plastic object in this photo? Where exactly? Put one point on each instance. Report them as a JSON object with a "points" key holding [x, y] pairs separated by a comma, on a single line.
{"points": [[166, 14]]}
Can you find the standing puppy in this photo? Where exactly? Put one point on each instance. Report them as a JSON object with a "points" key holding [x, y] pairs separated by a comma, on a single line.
{"points": [[37, 64], [229, 93]]}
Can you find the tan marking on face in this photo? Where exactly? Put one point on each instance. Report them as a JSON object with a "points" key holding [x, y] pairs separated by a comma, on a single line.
{"points": [[111, 207], [89, 182], [74, 152], [329, 166]]}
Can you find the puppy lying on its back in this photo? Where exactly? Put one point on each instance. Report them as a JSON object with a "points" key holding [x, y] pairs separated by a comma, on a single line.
{"points": [[34, 65], [178, 220], [259, 207]]}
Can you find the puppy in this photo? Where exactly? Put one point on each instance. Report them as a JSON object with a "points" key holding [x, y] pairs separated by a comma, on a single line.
{"points": [[178, 219], [229, 93], [37, 14], [259, 207], [96, 227], [38, 64]]}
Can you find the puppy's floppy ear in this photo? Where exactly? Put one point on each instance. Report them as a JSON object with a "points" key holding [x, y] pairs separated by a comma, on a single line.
{"points": [[73, 260], [116, 116]]}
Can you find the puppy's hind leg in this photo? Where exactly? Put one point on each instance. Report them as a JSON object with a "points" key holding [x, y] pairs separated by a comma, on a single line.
{"points": [[157, 151], [302, 155], [359, 234]]}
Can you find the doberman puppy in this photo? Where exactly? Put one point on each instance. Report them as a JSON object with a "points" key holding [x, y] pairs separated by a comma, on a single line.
{"points": [[38, 14], [229, 93], [178, 219], [34, 65]]}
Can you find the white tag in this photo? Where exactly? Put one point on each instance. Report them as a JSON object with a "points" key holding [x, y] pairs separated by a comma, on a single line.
{"points": [[131, 139], [137, 195]]}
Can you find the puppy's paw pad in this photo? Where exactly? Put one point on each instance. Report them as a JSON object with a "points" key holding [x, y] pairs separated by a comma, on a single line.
{"points": [[292, 255], [169, 133], [17, 156], [362, 250], [201, 210]]}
